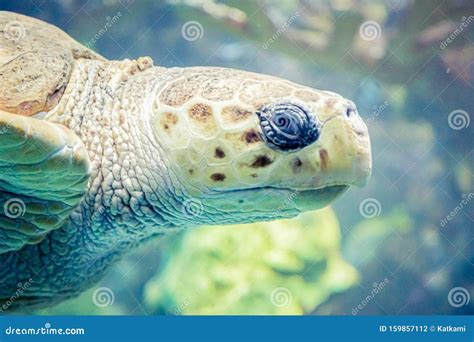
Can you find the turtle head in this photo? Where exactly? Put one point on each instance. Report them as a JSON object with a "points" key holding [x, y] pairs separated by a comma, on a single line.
{"points": [[250, 147]]}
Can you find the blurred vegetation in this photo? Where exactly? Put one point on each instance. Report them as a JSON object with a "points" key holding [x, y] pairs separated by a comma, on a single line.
{"points": [[282, 267], [406, 82]]}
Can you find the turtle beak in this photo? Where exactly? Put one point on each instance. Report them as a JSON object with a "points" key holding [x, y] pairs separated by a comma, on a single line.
{"points": [[342, 154], [361, 153]]}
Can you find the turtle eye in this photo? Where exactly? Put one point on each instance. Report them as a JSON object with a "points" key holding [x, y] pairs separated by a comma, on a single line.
{"points": [[288, 126]]}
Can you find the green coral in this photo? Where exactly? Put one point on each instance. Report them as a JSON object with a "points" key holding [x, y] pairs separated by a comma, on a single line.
{"points": [[280, 267]]}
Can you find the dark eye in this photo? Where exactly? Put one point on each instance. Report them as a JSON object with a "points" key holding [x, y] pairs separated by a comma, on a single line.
{"points": [[288, 126]]}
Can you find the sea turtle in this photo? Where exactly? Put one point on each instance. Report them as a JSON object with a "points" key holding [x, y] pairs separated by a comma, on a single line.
{"points": [[98, 156]]}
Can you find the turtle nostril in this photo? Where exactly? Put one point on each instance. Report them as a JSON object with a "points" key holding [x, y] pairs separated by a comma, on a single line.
{"points": [[350, 112]]}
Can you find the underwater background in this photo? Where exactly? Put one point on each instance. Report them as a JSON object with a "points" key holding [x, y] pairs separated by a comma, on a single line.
{"points": [[402, 245]]}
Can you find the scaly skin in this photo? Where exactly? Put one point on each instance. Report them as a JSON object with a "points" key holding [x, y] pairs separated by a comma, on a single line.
{"points": [[178, 148]]}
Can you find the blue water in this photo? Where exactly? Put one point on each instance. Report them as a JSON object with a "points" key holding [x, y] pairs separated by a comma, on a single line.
{"points": [[413, 223]]}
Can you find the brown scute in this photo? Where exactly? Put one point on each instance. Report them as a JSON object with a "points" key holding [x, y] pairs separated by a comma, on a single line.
{"points": [[219, 153], [277, 89], [235, 114], [217, 177], [323, 155], [220, 89], [251, 136], [168, 120], [200, 112], [261, 161], [307, 96], [178, 93]]}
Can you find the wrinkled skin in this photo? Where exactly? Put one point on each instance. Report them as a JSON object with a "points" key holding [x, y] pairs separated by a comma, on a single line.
{"points": [[146, 150]]}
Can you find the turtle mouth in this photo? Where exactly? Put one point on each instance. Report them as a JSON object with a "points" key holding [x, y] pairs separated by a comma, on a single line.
{"points": [[302, 199], [312, 199]]}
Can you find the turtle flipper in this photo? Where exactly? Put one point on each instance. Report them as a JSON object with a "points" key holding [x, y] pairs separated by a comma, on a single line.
{"points": [[44, 169], [36, 60]]}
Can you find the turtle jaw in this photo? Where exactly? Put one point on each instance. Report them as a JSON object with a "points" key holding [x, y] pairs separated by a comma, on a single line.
{"points": [[313, 199]]}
